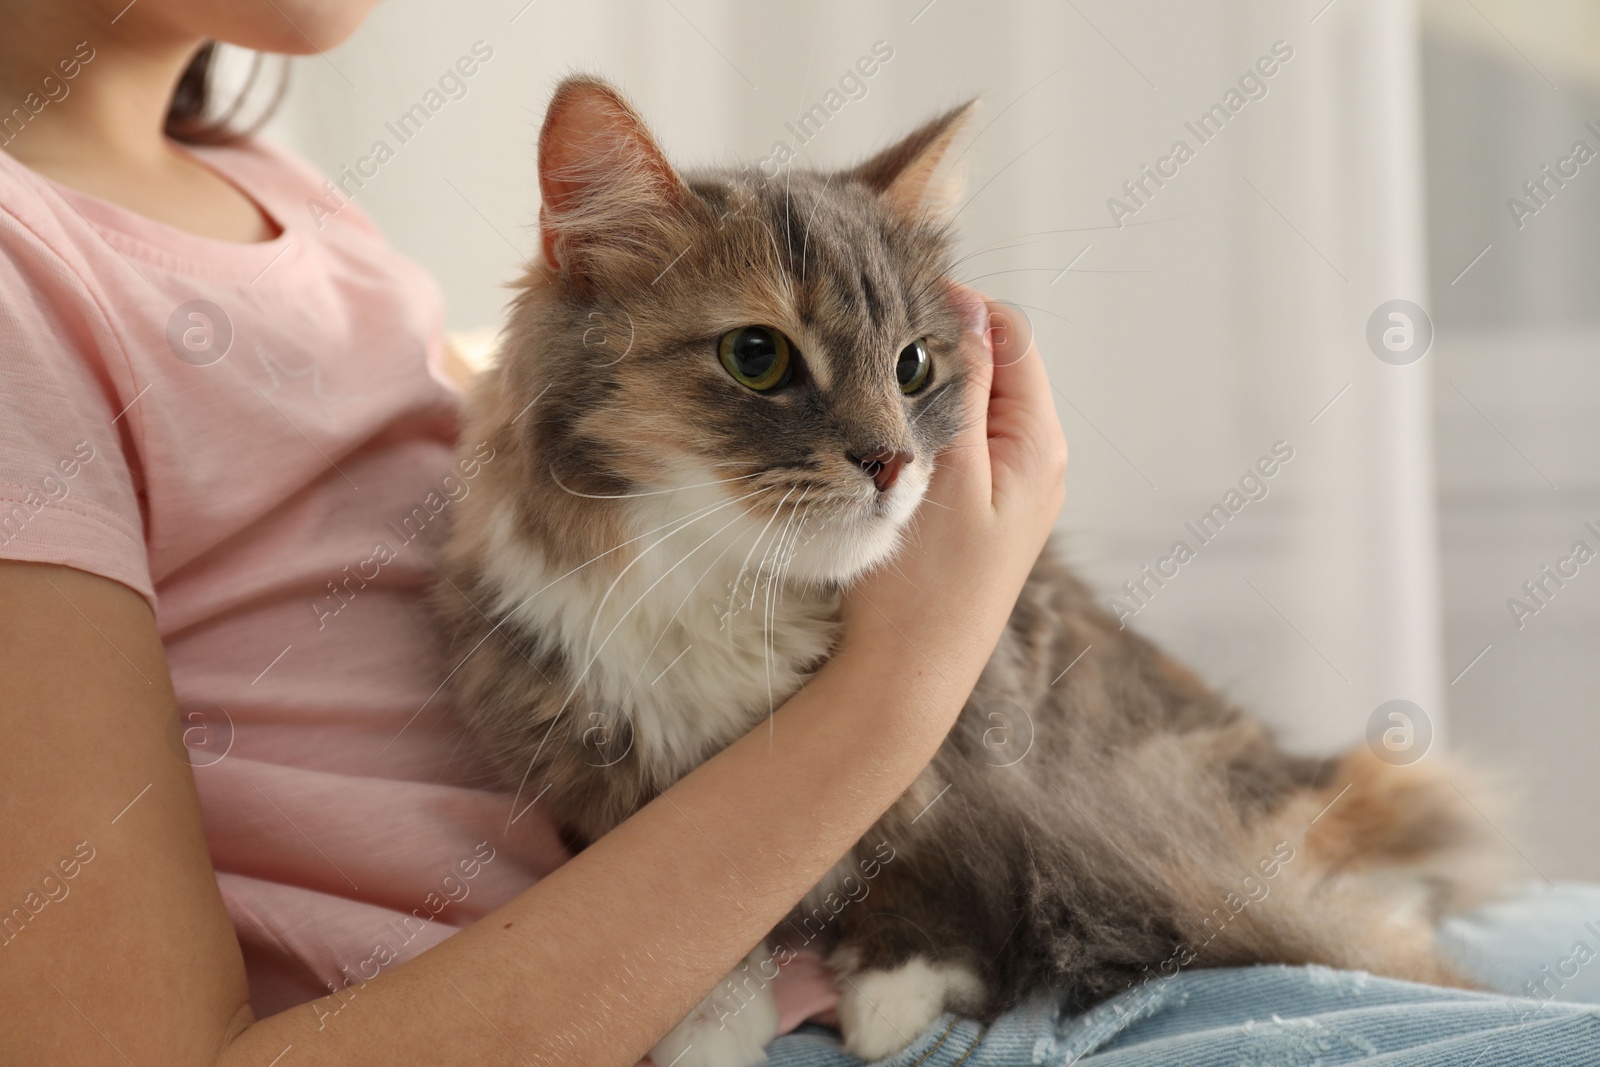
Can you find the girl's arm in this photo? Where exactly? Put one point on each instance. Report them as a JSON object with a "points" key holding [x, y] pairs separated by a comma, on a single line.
{"points": [[138, 963]]}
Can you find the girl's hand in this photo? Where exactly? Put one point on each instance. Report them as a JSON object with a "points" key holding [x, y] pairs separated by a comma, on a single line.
{"points": [[995, 494]]}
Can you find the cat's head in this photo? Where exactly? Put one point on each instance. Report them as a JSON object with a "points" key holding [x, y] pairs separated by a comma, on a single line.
{"points": [[773, 354]]}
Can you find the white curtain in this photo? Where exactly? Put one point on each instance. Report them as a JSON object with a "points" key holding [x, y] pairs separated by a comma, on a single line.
{"points": [[1226, 317]]}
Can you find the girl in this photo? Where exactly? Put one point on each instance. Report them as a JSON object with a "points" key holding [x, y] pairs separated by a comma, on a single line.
{"points": [[218, 427], [226, 418]]}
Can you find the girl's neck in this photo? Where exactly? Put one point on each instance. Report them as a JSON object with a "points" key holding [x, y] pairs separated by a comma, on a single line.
{"points": [[112, 110], [101, 130]]}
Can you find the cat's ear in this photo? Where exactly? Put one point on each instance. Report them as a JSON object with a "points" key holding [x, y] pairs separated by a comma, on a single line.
{"points": [[911, 176], [603, 179]]}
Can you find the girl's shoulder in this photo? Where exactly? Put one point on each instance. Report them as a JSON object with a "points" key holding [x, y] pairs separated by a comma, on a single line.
{"points": [[214, 382]]}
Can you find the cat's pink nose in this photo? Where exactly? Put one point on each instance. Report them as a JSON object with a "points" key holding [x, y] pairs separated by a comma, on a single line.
{"points": [[883, 466]]}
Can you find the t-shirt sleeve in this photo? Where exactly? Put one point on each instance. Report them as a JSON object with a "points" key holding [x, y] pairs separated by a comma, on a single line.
{"points": [[69, 473]]}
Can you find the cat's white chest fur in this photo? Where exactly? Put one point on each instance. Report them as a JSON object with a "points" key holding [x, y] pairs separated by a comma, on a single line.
{"points": [[690, 630]]}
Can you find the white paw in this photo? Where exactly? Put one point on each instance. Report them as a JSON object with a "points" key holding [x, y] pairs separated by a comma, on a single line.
{"points": [[881, 1012], [729, 1028]]}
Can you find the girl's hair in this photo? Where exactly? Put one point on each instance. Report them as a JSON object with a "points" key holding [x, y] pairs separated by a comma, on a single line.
{"points": [[189, 118]]}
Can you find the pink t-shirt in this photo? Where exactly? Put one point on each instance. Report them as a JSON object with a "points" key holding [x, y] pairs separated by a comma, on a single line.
{"points": [[256, 438]]}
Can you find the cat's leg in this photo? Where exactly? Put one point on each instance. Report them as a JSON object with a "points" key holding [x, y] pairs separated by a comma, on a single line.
{"points": [[910, 929], [731, 1027], [882, 1008]]}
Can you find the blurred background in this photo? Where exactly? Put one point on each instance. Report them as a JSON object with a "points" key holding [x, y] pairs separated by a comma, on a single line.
{"points": [[1202, 309]]}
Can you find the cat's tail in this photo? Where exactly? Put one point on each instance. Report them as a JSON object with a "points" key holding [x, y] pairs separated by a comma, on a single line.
{"points": [[1413, 822], [1353, 874]]}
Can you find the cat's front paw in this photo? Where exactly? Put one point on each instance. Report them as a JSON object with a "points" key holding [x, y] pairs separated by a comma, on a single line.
{"points": [[726, 1029], [883, 1011]]}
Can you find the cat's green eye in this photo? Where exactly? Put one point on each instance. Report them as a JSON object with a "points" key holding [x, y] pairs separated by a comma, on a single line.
{"points": [[757, 357], [911, 369]]}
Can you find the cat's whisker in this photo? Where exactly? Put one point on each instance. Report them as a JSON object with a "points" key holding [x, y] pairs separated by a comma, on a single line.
{"points": [[672, 619], [805, 243], [768, 564], [993, 246], [739, 578], [650, 492], [780, 273], [600, 608], [1017, 270], [943, 393], [936, 277], [1043, 310], [788, 205], [651, 587], [763, 567], [1097, 229], [768, 638], [791, 548], [533, 761], [725, 463], [794, 547], [769, 613], [770, 553], [595, 656], [508, 613], [1084, 229], [786, 541]]}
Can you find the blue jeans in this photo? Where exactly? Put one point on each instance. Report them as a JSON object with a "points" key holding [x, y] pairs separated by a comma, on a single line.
{"points": [[1542, 948]]}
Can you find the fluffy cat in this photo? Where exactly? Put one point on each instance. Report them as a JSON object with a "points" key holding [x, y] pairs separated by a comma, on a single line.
{"points": [[717, 402]]}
